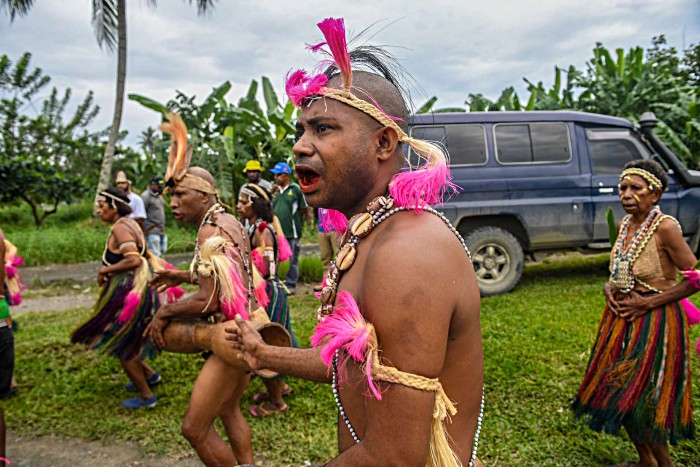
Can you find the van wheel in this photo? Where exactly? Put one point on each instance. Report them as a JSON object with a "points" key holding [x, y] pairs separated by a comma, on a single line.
{"points": [[497, 258]]}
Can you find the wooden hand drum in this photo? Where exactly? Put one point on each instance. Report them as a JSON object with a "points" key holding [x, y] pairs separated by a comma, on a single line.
{"points": [[194, 337]]}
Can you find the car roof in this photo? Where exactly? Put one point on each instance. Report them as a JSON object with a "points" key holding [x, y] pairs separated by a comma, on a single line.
{"points": [[528, 116]]}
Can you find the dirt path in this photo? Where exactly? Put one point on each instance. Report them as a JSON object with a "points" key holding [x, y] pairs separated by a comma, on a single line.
{"points": [[52, 451]]}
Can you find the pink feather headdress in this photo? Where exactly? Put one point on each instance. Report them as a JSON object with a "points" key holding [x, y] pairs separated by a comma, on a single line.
{"points": [[412, 188]]}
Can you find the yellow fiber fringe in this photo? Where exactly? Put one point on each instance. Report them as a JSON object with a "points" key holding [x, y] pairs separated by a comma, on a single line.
{"points": [[215, 261], [441, 454]]}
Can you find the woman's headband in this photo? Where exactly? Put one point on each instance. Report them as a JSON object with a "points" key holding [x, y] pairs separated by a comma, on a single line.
{"points": [[104, 195], [255, 191], [650, 178]]}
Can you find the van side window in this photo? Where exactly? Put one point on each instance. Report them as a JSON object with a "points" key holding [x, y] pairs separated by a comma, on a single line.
{"points": [[532, 143], [435, 134], [611, 150], [466, 144]]}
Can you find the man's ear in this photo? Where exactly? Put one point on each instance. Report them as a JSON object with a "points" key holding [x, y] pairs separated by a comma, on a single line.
{"points": [[387, 140]]}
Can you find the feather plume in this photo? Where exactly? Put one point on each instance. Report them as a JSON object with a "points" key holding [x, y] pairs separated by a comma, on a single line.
{"points": [[692, 275], [334, 221], [179, 156], [299, 86], [427, 185], [333, 30], [174, 294], [347, 330], [691, 311]]}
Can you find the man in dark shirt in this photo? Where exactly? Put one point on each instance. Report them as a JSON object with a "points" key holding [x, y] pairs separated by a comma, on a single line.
{"points": [[154, 225]]}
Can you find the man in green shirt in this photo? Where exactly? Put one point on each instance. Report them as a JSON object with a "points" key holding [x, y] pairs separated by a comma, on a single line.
{"points": [[288, 205]]}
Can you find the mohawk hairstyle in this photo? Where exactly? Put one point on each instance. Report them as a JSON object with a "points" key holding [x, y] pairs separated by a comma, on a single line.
{"points": [[376, 60]]}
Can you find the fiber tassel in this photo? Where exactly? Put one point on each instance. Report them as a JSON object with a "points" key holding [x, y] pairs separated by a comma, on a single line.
{"points": [[691, 312], [131, 304], [216, 260], [441, 454]]}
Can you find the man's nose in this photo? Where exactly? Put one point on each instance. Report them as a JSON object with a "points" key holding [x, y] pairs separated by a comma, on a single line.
{"points": [[302, 147]]}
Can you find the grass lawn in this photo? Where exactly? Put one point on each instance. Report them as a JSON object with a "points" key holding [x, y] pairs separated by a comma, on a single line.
{"points": [[536, 340]]}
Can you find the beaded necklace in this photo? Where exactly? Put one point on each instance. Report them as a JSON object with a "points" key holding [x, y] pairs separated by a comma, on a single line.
{"points": [[359, 226], [208, 219], [624, 256]]}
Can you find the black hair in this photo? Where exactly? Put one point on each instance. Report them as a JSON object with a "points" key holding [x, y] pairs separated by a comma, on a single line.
{"points": [[122, 209], [263, 209], [652, 167]]}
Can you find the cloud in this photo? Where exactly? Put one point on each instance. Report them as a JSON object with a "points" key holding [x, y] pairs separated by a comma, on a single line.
{"points": [[451, 48]]}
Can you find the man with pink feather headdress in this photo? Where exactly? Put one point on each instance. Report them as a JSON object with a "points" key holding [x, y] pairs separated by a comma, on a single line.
{"points": [[221, 270], [399, 335]]}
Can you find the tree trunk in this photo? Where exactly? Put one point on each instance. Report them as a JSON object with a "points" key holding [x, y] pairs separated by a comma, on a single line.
{"points": [[106, 168]]}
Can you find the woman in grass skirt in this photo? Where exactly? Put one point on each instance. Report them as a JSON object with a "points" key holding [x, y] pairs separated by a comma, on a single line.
{"points": [[125, 303], [269, 249], [638, 376]]}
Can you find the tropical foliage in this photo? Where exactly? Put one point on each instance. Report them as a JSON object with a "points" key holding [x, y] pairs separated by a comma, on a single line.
{"points": [[620, 83], [224, 135], [109, 26], [46, 157]]}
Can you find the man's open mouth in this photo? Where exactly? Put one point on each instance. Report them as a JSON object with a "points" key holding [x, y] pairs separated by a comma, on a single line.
{"points": [[308, 178]]}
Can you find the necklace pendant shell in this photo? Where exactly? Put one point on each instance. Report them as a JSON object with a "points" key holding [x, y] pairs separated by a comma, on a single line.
{"points": [[346, 257], [328, 295], [362, 226]]}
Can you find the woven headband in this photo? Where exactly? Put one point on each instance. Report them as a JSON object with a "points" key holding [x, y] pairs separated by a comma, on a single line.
{"points": [[104, 195], [254, 191], [650, 178], [415, 188], [196, 183]]}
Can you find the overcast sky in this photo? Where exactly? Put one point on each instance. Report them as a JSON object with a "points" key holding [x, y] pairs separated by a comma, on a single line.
{"points": [[451, 48]]}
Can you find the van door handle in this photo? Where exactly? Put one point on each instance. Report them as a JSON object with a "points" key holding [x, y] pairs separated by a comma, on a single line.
{"points": [[605, 190]]}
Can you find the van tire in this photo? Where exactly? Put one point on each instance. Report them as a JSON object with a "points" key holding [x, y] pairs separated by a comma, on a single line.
{"points": [[497, 258]]}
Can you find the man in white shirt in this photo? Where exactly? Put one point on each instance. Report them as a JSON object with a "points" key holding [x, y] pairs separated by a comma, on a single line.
{"points": [[138, 211]]}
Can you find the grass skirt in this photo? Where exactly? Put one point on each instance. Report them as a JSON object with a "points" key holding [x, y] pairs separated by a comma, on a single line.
{"points": [[102, 333], [638, 377], [278, 309]]}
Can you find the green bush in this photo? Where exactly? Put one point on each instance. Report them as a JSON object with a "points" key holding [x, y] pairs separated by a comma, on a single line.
{"points": [[72, 235], [310, 269]]}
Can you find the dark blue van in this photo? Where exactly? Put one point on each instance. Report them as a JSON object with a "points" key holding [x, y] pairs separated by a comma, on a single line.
{"points": [[536, 181]]}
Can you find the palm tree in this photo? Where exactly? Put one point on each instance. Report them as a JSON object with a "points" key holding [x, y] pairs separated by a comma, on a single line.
{"points": [[109, 24]]}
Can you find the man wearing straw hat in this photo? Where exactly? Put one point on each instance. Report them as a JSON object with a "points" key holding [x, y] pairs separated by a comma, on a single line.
{"points": [[399, 335], [138, 210]]}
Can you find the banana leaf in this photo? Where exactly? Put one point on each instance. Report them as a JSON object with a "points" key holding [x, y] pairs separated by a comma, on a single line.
{"points": [[612, 226]]}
